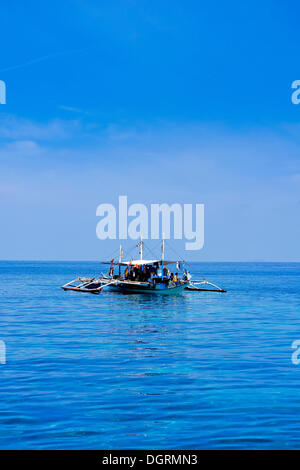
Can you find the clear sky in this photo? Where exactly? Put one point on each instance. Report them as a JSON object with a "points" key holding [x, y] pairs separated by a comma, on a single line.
{"points": [[163, 101]]}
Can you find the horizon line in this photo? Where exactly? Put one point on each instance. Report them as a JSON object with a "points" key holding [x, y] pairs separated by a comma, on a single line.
{"points": [[101, 262]]}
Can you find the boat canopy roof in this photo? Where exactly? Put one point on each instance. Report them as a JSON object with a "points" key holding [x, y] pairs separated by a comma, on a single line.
{"points": [[140, 262], [145, 261]]}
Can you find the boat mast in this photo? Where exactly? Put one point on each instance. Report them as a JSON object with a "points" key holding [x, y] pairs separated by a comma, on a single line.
{"points": [[141, 246], [162, 256], [120, 259]]}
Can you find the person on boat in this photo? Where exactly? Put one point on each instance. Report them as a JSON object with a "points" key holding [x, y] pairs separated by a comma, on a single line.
{"points": [[145, 273], [126, 272], [111, 269], [135, 273]]}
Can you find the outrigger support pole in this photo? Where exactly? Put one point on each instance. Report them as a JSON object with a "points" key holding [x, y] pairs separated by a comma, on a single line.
{"points": [[83, 286], [193, 284], [108, 284]]}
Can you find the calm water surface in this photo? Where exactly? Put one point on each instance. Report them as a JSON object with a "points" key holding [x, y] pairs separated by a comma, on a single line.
{"points": [[189, 371]]}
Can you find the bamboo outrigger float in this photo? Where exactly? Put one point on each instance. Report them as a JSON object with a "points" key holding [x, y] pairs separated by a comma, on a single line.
{"points": [[141, 276]]}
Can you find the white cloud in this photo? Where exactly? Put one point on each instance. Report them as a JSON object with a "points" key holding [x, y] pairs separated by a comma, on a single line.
{"points": [[73, 109], [12, 127]]}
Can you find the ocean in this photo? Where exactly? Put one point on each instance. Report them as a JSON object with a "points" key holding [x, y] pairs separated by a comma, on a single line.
{"points": [[197, 370]]}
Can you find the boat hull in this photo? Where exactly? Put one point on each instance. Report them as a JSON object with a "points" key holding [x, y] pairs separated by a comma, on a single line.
{"points": [[131, 289]]}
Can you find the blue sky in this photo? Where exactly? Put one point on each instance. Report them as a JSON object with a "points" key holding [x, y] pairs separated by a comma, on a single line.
{"points": [[164, 101]]}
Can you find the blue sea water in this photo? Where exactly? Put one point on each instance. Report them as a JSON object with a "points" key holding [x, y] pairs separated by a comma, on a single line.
{"points": [[198, 370]]}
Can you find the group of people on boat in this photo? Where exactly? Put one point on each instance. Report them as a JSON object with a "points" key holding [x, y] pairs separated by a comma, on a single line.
{"points": [[145, 273], [140, 273], [151, 272], [148, 272]]}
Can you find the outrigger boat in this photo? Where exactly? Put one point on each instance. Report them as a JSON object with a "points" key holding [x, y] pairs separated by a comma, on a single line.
{"points": [[141, 276]]}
